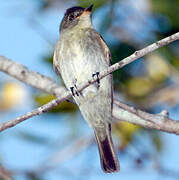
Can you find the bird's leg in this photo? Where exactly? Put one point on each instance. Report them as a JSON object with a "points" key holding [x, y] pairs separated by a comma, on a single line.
{"points": [[74, 90], [97, 78]]}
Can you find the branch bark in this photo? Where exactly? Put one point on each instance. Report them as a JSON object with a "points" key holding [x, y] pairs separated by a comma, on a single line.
{"points": [[160, 122], [34, 79]]}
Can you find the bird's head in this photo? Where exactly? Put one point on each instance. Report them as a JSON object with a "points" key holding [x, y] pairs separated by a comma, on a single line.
{"points": [[76, 16]]}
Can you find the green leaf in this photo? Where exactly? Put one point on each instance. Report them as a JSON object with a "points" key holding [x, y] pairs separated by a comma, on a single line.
{"points": [[86, 3], [64, 107]]}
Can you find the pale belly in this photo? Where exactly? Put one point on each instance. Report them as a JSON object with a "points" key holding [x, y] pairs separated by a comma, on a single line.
{"points": [[79, 64]]}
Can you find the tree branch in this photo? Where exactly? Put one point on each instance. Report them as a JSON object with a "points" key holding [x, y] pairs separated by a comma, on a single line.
{"points": [[159, 121], [36, 80]]}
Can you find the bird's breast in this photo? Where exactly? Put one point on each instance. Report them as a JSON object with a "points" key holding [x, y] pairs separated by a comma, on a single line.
{"points": [[80, 58]]}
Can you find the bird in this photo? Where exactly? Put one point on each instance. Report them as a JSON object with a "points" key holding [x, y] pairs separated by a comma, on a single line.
{"points": [[80, 54]]}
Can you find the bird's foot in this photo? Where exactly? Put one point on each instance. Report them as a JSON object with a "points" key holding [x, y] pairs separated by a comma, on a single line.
{"points": [[74, 90], [97, 78]]}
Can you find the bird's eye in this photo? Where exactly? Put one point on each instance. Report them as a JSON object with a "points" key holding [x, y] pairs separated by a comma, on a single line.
{"points": [[71, 17]]}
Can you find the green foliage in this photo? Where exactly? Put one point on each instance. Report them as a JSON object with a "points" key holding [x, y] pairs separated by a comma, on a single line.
{"points": [[125, 132], [169, 9], [48, 59], [120, 51], [64, 107], [170, 54], [86, 3]]}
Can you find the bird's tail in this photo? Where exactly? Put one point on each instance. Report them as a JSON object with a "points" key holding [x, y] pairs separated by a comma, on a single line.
{"points": [[109, 160]]}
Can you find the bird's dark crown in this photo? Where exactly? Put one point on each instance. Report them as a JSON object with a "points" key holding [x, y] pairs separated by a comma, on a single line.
{"points": [[74, 10]]}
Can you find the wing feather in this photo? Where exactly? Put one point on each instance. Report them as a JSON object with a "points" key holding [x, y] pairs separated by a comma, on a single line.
{"points": [[103, 45], [107, 55], [56, 57]]}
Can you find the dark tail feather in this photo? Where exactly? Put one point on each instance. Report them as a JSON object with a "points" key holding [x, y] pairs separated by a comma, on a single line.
{"points": [[109, 161]]}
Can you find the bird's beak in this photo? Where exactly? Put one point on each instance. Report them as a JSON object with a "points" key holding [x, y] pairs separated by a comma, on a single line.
{"points": [[89, 9]]}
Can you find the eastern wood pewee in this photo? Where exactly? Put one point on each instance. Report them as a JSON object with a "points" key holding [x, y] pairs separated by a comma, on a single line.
{"points": [[80, 54]]}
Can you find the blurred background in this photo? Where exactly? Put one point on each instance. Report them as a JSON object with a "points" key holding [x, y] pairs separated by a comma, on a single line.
{"points": [[59, 144]]}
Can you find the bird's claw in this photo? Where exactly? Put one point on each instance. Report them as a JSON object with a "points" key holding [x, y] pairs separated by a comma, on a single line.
{"points": [[74, 91], [97, 78]]}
